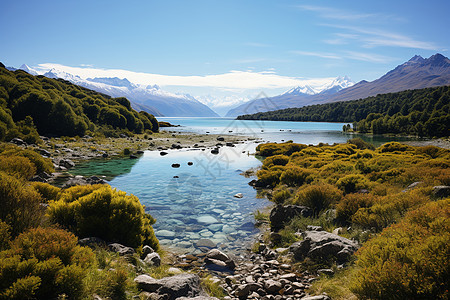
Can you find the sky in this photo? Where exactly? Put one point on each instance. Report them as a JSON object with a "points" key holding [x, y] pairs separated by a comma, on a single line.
{"points": [[223, 51]]}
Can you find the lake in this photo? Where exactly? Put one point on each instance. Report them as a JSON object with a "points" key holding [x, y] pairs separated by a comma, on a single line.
{"points": [[194, 204]]}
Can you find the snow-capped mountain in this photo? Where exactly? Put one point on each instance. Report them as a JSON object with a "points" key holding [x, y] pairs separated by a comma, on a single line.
{"points": [[150, 98], [28, 69], [334, 86], [292, 97]]}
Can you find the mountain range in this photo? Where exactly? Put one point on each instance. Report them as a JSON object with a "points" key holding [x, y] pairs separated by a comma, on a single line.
{"points": [[150, 98], [416, 73]]}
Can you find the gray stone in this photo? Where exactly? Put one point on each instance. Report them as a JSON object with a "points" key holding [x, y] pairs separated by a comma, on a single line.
{"points": [[207, 219], [182, 285], [217, 254], [205, 243], [91, 241], [238, 195], [198, 298], [165, 233], [441, 191], [146, 250], [273, 286], [320, 297], [66, 163], [246, 289], [153, 259], [322, 244], [280, 215], [121, 249]]}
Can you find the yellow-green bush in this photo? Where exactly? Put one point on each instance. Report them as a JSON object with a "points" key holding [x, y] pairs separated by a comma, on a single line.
{"points": [[19, 203], [394, 147], [281, 196], [276, 160], [75, 192], [352, 183], [5, 235], [17, 166], [390, 208], [42, 164], [270, 149], [47, 191], [318, 197], [409, 260], [351, 203], [44, 263], [295, 176], [105, 213]]}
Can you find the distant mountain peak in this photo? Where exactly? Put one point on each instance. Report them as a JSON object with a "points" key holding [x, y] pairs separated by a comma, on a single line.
{"points": [[301, 90], [27, 69], [417, 58]]}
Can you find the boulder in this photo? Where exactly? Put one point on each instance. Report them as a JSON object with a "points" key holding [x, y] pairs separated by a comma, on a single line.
{"points": [[322, 244], [162, 153], [153, 259], [215, 151], [273, 286], [174, 287], [280, 215], [219, 261], [121, 249], [205, 243], [245, 289], [175, 165], [66, 163], [146, 250], [238, 195], [441, 191], [219, 138]]}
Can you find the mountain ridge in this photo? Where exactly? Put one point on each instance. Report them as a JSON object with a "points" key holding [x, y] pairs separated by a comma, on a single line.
{"points": [[416, 73]]}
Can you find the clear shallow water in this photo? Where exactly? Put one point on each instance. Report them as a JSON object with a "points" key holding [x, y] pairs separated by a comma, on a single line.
{"points": [[275, 131], [193, 203]]}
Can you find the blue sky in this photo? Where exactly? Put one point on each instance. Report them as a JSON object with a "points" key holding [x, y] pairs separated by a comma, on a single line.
{"points": [[200, 46]]}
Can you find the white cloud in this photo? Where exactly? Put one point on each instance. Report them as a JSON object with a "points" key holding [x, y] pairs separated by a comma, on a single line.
{"points": [[334, 13], [317, 54], [228, 81], [370, 57], [376, 37]]}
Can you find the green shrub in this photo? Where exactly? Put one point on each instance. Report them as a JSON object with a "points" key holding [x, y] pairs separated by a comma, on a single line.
{"points": [[269, 177], [352, 183], [279, 197], [42, 164], [361, 144], [408, 260], [295, 176], [350, 204], [108, 214], [20, 204], [5, 235], [44, 263], [47, 191], [394, 147], [276, 160], [17, 166], [318, 197]]}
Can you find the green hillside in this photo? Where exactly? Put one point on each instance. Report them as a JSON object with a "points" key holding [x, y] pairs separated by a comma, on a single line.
{"points": [[36, 105], [422, 112]]}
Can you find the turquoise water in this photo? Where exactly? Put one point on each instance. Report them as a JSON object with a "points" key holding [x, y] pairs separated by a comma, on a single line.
{"points": [[275, 131], [196, 203]]}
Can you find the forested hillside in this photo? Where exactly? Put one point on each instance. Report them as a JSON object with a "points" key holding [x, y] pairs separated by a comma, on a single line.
{"points": [[423, 112], [35, 105]]}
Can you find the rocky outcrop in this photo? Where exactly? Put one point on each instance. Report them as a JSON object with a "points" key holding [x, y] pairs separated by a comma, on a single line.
{"points": [[281, 215], [322, 244], [182, 285], [153, 259]]}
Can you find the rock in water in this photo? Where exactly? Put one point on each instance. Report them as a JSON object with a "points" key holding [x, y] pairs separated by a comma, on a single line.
{"points": [[207, 219], [238, 195]]}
